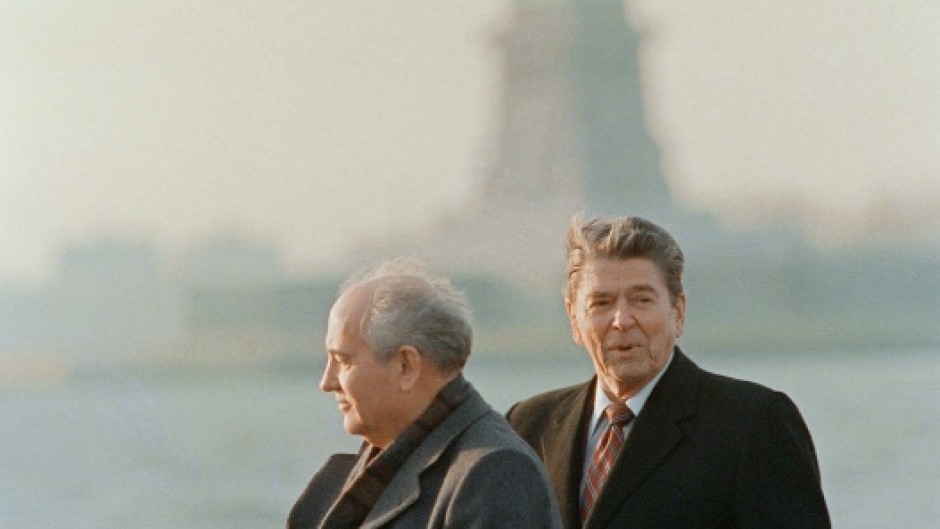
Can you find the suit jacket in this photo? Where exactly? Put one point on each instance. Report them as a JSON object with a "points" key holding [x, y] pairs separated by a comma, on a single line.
{"points": [[472, 471], [705, 451]]}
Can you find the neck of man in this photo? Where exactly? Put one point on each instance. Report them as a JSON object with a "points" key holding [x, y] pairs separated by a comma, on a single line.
{"points": [[416, 401]]}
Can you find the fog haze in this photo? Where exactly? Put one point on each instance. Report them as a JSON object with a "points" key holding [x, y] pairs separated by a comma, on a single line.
{"points": [[313, 124], [184, 185]]}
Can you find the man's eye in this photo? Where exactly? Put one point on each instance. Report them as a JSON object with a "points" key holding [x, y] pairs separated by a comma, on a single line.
{"points": [[342, 361]]}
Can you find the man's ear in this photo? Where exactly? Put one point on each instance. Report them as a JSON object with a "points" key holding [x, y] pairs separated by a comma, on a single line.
{"points": [[680, 314], [409, 365], [575, 332]]}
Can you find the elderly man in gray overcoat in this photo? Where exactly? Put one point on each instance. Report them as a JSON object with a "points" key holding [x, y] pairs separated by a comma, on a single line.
{"points": [[435, 455]]}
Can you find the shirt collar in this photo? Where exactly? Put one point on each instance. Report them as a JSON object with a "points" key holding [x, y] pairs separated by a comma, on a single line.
{"points": [[635, 403]]}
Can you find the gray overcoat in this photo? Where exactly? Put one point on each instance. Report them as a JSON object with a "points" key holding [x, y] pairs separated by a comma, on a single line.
{"points": [[472, 471]]}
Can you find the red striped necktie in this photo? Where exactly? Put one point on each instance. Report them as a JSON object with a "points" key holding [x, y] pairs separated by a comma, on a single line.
{"points": [[605, 453]]}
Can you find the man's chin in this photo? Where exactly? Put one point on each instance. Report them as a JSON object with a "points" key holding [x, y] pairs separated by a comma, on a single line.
{"points": [[626, 369], [352, 426], [626, 381]]}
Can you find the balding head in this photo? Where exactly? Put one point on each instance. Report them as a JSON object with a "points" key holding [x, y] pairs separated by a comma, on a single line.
{"points": [[404, 304], [394, 338]]}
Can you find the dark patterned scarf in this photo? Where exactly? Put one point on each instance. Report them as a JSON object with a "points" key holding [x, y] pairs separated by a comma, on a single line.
{"points": [[360, 495]]}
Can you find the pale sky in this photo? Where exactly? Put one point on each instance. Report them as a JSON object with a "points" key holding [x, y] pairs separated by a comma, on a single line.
{"points": [[311, 123]]}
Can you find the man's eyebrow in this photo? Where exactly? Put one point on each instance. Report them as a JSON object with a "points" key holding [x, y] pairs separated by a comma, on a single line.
{"points": [[642, 287]]}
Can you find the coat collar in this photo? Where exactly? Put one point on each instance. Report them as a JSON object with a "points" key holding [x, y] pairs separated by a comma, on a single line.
{"points": [[322, 491], [405, 489], [656, 432]]}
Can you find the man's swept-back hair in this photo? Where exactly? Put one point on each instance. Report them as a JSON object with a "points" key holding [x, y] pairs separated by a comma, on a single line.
{"points": [[412, 306], [622, 238]]}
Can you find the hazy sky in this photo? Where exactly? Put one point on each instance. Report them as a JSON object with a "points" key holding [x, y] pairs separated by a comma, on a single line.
{"points": [[312, 122]]}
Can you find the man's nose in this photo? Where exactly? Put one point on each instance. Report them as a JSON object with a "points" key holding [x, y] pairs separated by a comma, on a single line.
{"points": [[328, 381], [623, 317]]}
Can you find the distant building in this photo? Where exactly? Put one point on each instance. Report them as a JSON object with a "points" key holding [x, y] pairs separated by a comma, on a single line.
{"points": [[232, 261], [252, 324], [109, 299]]}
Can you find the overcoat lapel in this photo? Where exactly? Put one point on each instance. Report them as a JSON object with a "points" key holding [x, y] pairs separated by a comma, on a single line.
{"points": [[563, 447], [324, 488], [405, 488], [654, 435]]}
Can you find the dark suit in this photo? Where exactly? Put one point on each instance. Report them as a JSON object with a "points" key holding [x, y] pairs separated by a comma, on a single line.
{"points": [[705, 451], [472, 471]]}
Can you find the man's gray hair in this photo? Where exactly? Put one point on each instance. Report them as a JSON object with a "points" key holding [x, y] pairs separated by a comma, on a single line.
{"points": [[622, 238], [411, 306]]}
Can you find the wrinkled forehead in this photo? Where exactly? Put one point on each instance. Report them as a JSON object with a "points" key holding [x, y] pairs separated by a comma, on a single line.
{"points": [[615, 273]]}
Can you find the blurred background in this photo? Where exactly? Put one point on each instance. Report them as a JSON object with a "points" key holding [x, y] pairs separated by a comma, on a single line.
{"points": [[184, 185]]}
